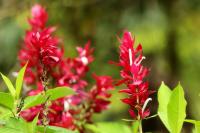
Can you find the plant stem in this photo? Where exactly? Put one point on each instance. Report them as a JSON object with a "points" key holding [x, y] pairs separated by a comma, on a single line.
{"points": [[140, 127], [139, 119], [44, 79]]}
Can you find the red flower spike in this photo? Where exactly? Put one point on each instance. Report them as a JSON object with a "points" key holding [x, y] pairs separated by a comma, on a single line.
{"points": [[40, 47], [133, 74]]}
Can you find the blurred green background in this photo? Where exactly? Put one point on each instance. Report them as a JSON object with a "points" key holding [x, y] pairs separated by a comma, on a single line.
{"points": [[169, 31]]}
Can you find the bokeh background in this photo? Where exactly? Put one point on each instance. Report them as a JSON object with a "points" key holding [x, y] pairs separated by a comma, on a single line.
{"points": [[169, 31]]}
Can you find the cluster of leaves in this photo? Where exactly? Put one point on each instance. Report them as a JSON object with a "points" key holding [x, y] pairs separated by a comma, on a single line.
{"points": [[12, 103]]}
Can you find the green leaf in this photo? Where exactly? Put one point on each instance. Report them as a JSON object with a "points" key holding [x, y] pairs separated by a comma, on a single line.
{"points": [[32, 126], [172, 107], [35, 120], [9, 85], [54, 94], [135, 126], [108, 127], [5, 113], [176, 109], [9, 130], [14, 125], [53, 129], [91, 128], [32, 101], [6, 100], [164, 94], [19, 81], [59, 92]]}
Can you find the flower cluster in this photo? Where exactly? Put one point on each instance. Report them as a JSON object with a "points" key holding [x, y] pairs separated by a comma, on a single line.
{"points": [[98, 96], [43, 52], [40, 47], [133, 75]]}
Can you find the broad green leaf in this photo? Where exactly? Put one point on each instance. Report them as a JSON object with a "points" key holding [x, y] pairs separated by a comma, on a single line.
{"points": [[19, 81], [135, 126], [53, 94], [32, 101], [6, 100], [164, 94], [59, 92], [32, 126], [14, 125], [176, 109], [53, 129], [5, 113], [108, 127], [35, 120], [91, 128], [9, 85], [9, 130]]}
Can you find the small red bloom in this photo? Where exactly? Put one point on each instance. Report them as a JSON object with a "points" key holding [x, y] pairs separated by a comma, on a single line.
{"points": [[99, 94], [72, 70], [39, 17], [40, 47], [65, 121], [85, 54]]}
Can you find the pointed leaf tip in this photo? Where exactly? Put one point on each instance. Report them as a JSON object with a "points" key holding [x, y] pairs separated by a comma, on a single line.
{"points": [[177, 109], [19, 80], [9, 85]]}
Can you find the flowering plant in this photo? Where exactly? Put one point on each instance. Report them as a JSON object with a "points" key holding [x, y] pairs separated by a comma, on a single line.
{"points": [[46, 62], [57, 97]]}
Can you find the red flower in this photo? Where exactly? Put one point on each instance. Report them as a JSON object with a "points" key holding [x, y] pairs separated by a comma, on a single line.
{"points": [[85, 54], [45, 47], [133, 74], [72, 70], [40, 47], [99, 94], [93, 101], [65, 121], [39, 17]]}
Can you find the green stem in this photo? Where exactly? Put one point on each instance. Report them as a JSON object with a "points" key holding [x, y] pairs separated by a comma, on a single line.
{"points": [[140, 127], [139, 119], [15, 108]]}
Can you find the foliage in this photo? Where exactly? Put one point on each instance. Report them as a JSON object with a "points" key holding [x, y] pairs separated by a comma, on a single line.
{"points": [[12, 101], [72, 105], [172, 108], [106, 127], [53, 94]]}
